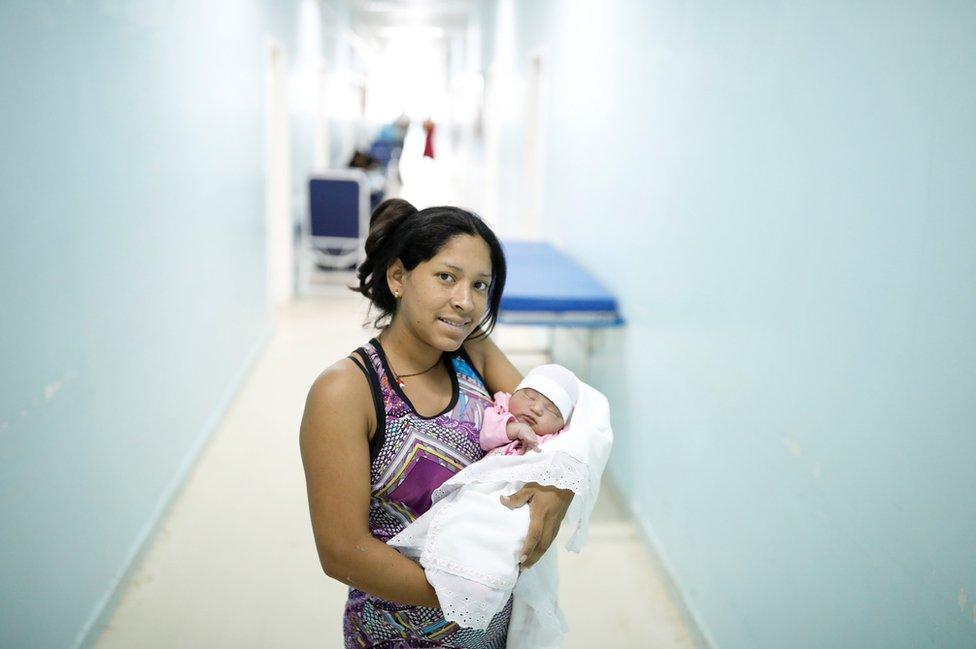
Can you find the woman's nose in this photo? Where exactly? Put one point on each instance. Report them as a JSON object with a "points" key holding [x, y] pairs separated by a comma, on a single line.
{"points": [[462, 299]]}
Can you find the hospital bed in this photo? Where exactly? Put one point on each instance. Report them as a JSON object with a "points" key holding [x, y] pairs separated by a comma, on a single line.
{"points": [[546, 287]]}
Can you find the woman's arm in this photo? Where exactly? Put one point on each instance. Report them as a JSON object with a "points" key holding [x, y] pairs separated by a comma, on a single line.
{"points": [[334, 442], [547, 505]]}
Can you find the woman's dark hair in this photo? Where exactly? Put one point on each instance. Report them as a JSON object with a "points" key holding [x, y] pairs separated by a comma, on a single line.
{"points": [[397, 230]]}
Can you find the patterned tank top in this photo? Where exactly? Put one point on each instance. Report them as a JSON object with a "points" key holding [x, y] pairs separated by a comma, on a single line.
{"points": [[410, 456]]}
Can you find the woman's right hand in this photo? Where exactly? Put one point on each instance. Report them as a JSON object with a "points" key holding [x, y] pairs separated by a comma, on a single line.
{"points": [[547, 508]]}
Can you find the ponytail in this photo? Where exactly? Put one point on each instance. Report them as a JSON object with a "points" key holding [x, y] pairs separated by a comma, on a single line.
{"points": [[384, 221], [381, 251]]}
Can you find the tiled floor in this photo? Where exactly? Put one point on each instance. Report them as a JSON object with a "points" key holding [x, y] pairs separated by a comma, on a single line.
{"points": [[234, 564]]}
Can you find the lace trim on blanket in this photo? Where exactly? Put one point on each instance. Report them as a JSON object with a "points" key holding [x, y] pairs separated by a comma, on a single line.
{"points": [[467, 572], [562, 471], [467, 603], [464, 611]]}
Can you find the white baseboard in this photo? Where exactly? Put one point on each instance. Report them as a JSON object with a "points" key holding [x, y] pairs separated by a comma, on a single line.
{"points": [[690, 616]]}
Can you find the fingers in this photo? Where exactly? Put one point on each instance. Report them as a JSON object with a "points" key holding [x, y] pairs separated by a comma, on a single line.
{"points": [[517, 499], [530, 441], [525, 447], [545, 540], [530, 554], [543, 528]]}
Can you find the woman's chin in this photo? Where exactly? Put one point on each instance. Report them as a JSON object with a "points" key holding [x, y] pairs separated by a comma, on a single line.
{"points": [[452, 337], [446, 342]]}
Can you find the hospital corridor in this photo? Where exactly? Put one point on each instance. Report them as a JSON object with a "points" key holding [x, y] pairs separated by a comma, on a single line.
{"points": [[725, 252], [230, 565]]}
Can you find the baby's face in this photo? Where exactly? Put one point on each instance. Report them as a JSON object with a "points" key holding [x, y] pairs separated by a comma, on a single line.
{"points": [[532, 408]]}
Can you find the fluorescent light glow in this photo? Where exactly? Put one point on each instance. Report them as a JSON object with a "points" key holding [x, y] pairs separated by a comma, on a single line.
{"points": [[420, 32]]}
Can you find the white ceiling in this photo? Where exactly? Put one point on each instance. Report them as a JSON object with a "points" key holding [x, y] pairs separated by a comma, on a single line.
{"points": [[370, 17]]}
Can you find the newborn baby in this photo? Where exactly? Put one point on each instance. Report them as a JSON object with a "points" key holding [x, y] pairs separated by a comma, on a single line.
{"points": [[539, 408], [469, 542]]}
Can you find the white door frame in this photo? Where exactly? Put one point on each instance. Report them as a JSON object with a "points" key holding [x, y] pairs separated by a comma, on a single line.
{"points": [[277, 191], [533, 144]]}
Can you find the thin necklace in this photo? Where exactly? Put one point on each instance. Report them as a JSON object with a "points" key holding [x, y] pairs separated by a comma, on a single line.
{"points": [[399, 377]]}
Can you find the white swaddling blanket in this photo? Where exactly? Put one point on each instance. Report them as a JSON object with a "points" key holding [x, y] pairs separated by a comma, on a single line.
{"points": [[468, 541]]}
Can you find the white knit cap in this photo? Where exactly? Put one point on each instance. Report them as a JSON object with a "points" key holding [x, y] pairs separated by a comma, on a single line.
{"points": [[556, 383]]}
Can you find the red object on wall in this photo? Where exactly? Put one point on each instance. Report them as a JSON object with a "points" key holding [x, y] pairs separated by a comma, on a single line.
{"points": [[429, 144]]}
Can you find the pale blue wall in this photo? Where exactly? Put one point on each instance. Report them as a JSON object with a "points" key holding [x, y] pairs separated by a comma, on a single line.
{"points": [[783, 196], [132, 277]]}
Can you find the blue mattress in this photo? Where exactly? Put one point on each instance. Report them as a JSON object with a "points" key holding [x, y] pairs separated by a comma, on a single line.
{"points": [[546, 286]]}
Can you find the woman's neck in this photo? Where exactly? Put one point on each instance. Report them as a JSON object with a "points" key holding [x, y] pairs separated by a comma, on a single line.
{"points": [[407, 352]]}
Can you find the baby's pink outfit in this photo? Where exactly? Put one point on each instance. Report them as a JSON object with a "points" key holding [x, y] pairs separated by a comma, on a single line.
{"points": [[494, 437]]}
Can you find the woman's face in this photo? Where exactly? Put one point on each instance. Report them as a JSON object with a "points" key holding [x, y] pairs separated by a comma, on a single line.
{"points": [[531, 407], [444, 298]]}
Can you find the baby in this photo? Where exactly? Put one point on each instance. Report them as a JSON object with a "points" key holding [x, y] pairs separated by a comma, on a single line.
{"points": [[538, 409]]}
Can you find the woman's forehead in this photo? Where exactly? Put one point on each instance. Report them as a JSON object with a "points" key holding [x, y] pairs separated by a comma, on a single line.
{"points": [[466, 254]]}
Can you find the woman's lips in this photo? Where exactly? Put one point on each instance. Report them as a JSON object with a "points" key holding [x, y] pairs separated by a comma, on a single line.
{"points": [[455, 324]]}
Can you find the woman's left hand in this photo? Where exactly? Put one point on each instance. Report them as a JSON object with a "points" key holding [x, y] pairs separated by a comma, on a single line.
{"points": [[547, 507]]}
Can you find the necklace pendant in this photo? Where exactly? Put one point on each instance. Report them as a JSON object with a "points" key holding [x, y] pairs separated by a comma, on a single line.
{"points": [[400, 382]]}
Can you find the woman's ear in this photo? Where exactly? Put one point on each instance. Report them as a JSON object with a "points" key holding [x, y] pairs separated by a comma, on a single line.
{"points": [[394, 278]]}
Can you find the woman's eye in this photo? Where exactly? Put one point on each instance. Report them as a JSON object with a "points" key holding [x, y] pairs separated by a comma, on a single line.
{"points": [[481, 286], [445, 276]]}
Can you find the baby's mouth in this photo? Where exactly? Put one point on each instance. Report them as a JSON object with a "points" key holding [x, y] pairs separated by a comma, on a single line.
{"points": [[527, 419]]}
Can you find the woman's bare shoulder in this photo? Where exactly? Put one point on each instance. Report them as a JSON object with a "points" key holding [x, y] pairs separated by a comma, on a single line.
{"points": [[344, 377], [339, 392]]}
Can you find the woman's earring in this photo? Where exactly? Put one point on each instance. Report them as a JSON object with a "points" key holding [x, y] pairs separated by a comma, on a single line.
{"points": [[396, 294]]}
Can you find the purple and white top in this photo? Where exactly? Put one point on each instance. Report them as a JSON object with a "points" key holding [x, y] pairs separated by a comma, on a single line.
{"points": [[410, 456]]}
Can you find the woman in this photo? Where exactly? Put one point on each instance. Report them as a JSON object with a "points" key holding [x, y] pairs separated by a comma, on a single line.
{"points": [[389, 424]]}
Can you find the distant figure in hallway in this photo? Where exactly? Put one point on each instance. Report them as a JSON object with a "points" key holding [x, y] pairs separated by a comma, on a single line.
{"points": [[387, 147], [375, 176], [395, 132], [429, 142]]}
